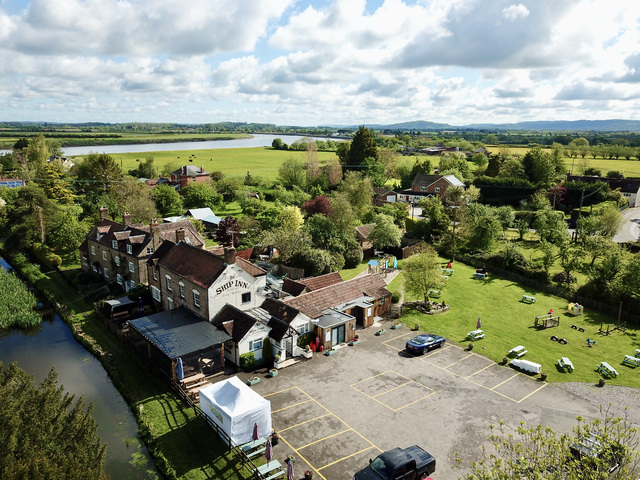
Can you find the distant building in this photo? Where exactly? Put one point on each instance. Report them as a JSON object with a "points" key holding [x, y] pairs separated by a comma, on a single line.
{"points": [[629, 187], [189, 174], [429, 186], [11, 182]]}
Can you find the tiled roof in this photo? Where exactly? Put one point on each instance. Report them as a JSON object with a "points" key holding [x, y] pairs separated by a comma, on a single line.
{"points": [[316, 283], [279, 309], [381, 191], [234, 321], [194, 264], [249, 267], [190, 170], [293, 287], [363, 231], [246, 253], [313, 303]]}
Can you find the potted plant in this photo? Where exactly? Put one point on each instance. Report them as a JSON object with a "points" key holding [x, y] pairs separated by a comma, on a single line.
{"points": [[470, 347], [601, 382], [273, 372], [396, 325], [308, 475], [253, 380], [275, 438], [381, 331], [543, 376]]}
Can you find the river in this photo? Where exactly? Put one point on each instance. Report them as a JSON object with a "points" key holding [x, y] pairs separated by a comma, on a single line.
{"points": [[52, 344], [258, 140]]}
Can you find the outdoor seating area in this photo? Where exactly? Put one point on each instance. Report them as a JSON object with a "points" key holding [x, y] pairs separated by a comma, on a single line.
{"points": [[607, 370], [631, 361], [528, 299], [565, 364], [475, 335], [518, 351]]}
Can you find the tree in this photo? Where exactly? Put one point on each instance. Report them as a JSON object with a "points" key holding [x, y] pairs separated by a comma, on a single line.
{"points": [[287, 242], [53, 181], [278, 144], [200, 195], [40, 149], [539, 166], [44, 433], [436, 219], [385, 233], [396, 210], [522, 226], [291, 218], [320, 204], [570, 256], [313, 261], [134, 197], [67, 232], [551, 226], [363, 145], [168, 201], [482, 227], [333, 170], [375, 170], [539, 453], [145, 169], [292, 173], [359, 191], [506, 217], [229, 188], [98, 171], [421, 273], [454, 162], [228, 232]]}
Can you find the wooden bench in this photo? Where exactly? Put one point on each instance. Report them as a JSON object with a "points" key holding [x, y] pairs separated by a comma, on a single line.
{"points": [[607, 370], [528, 299], [186, 381], [247, 447], [631, 361], [268, 467], [275, 475], [434, 293], [480, 275], [518, 351], [475, 335]]}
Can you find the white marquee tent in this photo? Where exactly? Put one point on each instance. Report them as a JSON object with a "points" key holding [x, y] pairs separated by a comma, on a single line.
{"points": [[235, 408]]}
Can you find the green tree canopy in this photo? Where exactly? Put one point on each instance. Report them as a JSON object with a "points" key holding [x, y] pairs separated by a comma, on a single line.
{"points": [[44, 433], [385, 233], [200, 195], [421, 273], [363, 146], [168, 201], [292, 173], [98, 171]]}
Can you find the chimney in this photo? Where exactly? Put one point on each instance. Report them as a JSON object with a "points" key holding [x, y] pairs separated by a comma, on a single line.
{"points": [[104, 213], [229, 255], [180, 235], [126, 219], [202, 169], [184, 170], [156, 239]]}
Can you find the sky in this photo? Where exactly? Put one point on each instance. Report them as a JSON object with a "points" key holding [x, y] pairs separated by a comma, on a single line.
{"points": [[313, 63]]}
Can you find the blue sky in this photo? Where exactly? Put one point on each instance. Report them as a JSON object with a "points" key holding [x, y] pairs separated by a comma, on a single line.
{"points": [[294, 62]]}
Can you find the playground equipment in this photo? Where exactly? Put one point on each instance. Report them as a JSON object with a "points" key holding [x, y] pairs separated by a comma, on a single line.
{"points": [[575, 309], [546, 321], [621, 326]]}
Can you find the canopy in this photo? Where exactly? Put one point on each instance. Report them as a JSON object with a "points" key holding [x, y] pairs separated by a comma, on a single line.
{"points": [[235, 408]]}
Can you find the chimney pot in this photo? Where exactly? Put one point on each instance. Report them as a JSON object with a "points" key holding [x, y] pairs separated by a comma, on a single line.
{"points": [[104, 213], [126, 219]]}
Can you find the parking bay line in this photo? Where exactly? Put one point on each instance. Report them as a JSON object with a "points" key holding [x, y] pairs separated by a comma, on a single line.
{"points": [[306, 421], [409, 381], [350, 428]]}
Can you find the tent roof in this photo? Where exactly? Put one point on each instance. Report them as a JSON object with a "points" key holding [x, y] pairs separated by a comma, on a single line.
{"points": [[119, 302], [233, 396], [177, 332]]}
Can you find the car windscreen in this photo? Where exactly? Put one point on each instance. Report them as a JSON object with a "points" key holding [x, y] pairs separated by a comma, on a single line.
{"points": [[381, 468], [421, 340]]}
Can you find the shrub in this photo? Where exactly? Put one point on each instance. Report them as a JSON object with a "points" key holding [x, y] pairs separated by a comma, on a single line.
{"points": [[247, 361], [306, 339]]}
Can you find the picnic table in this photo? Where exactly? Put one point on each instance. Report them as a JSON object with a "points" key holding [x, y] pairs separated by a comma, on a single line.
{"points": [[480, 275], [518, 351], [270, 466], [247, 447], [192, 379], [564, 362], [528, 299], [434, 293], [607, 370], [475, 335], [631, 361]]}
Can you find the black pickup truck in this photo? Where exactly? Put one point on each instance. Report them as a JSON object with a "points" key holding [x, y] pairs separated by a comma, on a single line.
{"points": [[411, 463]]}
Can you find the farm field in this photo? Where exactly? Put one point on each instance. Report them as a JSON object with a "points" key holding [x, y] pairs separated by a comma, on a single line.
{"points": [[508, 322]]}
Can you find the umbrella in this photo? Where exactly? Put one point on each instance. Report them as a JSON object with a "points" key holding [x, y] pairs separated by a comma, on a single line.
{"points": [[180, 370], [268, 453], [479, 324], [290, 471], [256, 432]]}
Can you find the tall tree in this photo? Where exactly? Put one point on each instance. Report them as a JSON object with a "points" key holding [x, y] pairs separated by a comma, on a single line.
{"points": [[292, 173], [363, 145], [228, 232], [98, 171], [44, 433], [167, 200], [359, 190], [385, 233], [421, 273], [200, 195]]}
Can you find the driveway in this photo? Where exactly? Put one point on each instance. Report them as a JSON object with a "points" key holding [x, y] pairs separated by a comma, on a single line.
{"points": [[335, 412], [629, 231]]}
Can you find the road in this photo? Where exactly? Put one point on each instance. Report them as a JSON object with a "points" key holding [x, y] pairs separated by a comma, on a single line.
{"points": [[629, 230]]}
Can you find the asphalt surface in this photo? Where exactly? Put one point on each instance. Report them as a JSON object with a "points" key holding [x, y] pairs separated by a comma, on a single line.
{"points": [[335, 412], [629, 231]]}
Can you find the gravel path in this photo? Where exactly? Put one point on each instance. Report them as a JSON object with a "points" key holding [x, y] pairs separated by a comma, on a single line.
{"points": [[619, 397]]}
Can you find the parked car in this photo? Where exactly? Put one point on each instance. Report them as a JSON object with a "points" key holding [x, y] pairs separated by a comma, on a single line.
{"points": [[411, 463], [423, 343]]}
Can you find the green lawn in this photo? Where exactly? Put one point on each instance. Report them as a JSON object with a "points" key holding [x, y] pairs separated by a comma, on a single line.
{"points": [[349, 273], [508, 322]]}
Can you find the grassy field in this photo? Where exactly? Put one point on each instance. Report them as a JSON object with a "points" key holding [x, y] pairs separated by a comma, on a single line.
{"points": [[233, 162], [508, 322]]}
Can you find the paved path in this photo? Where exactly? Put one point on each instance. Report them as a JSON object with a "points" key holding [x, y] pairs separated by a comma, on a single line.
{"points": [[629, 230]]}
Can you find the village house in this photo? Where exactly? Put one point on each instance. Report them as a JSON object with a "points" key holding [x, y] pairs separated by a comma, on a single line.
{"points": [[337, 310], [382, 196], [424, 185], [202, 282], [629, 187], [189, 174], [119, 251], [305, 285]]}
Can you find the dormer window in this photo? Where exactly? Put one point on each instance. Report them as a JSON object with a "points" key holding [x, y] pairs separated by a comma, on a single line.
{"points": [[149, 250], [129, 249], [114, 244]]}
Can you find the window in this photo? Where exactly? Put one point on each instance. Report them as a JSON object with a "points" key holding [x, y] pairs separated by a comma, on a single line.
{"points": [[246, 297], [437, 189], [155, 293], [181, 289], [168, 282], [196, 298], [95, 268], [106, 273], [302, 329], [170, 303], [149, 250], [129, 249], [117, 260], [255, 345], [93, 250], [119, 279], [85, 261], [114, 243], [131, 267], [155, 274], [104, 255], [423, 189]]}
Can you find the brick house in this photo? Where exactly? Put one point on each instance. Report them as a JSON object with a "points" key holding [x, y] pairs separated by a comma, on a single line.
{"points": [[428, 186], [119, 251], [382, 196], [629, 187], [202, 282], [337, 310], [189, 174]]}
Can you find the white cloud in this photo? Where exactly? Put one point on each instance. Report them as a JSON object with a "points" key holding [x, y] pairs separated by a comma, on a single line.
{"points": [[514, 12]]}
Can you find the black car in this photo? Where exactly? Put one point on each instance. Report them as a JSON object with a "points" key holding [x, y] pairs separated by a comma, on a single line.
{"points": [[423, 343]]}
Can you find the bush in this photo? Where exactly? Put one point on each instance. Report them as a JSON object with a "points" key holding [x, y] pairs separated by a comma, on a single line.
{"points": [[395, 297], [305, 340], [247, 361], [45, 256]]}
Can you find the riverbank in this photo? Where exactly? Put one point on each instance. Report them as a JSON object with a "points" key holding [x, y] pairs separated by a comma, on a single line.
{"points": [[180, 442]]}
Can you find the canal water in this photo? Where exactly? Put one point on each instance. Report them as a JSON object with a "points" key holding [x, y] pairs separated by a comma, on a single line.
{"points": [[39, 349]]}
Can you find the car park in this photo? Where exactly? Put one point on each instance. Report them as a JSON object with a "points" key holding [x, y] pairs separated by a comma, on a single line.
{"points": [[423, 343]]}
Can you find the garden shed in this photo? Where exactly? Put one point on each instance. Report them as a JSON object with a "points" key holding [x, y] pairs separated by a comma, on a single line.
{"points": [[235, 408]]}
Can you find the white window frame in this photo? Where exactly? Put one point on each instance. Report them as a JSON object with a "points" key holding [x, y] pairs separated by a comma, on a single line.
{"points": [[132, 267], [129, 249], [437, 189], [85, 261], [155, 293], [423, 189], [105, 271], [155, 273], [119, 279], [170, 303], [196, 298], [104, 255], [93, 249], [149, 250], [116, 259], [181, 288], [114, 244], [253, 343], [168, 279]]}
